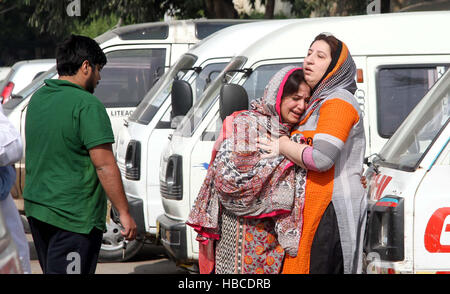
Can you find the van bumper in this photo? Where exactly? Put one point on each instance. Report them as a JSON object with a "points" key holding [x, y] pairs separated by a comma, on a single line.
{"points": [[136, 209], [173, 238]]}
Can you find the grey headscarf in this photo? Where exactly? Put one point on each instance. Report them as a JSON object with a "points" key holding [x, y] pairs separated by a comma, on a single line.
{"points": [[339, 76]]}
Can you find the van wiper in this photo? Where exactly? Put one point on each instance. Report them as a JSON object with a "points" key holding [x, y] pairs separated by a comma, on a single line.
{"points": [[247, 72], [16, 96], [197, 69], [374, 163]]}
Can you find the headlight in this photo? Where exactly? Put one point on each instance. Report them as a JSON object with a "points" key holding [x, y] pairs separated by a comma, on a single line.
{"points": [[133, 161], [172, 184]]}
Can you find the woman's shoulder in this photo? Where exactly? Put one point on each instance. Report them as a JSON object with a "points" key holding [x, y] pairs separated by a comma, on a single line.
{"points": [[342, 95]]}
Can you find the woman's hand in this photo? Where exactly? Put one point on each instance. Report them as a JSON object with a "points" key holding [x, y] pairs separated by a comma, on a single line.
{"points": [[270, 146], [364, 181], [283, 146]]}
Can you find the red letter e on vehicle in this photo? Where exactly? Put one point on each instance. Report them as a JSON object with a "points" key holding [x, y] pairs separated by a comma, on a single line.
{"points": [[436, 227]]}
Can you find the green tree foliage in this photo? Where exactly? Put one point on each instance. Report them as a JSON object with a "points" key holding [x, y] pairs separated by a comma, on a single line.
{"points": [[269, 7], [51, 15], [18, 41], [316, 8], [96, 27], [36, 25]]}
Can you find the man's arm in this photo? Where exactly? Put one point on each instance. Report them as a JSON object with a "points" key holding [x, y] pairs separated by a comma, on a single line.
{"points": [[109, 175]]}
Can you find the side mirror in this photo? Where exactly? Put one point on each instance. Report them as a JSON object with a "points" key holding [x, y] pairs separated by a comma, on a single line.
{"points": [[182, 99], [232, 98]]}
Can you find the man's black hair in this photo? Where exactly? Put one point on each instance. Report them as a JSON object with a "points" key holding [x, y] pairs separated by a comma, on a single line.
{"points": [[71, 54]]}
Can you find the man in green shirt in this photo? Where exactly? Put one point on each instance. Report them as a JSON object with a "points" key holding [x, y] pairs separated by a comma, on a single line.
{"points": [[70, 164]]}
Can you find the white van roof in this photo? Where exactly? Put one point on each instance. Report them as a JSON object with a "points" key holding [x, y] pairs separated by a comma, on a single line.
{"points": [[33, 62], [232, 40], [378, 34], [176, 31]]}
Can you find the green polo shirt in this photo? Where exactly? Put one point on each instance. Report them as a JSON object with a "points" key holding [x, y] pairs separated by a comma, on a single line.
{"points": [[61, 185]]}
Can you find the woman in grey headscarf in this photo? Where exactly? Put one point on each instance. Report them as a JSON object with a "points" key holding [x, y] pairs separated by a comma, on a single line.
{"points": [[335, 207]]}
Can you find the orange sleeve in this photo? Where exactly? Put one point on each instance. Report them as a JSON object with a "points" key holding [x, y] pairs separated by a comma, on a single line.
{"points": [[336, 118]]}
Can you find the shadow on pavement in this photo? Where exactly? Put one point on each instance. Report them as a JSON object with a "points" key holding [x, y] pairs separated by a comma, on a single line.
{"points": [[161, 267], [161, 264]]}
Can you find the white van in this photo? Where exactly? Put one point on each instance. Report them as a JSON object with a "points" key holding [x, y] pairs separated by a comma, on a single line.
{"points": [[147, 130], [21, 74], [408, 229], [391, 61]]}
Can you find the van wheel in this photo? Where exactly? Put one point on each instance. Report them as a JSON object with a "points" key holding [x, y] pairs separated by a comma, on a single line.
{"points": [[112, 244]]}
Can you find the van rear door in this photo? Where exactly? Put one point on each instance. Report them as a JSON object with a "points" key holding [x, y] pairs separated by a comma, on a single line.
{"points": [[395, 85], [128, 75]]}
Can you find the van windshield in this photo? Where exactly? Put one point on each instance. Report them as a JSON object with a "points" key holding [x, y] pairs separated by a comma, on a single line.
{"points": [[415, 136], [160, 91], [201, 107], [30, 89]]}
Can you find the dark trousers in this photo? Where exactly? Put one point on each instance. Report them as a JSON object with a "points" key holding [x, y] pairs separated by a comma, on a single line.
{"points": [[326, 250], [63, 252]]}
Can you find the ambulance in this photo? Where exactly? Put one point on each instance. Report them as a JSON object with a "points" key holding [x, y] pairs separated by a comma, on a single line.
{"points": [[147, 131], [408, 227], [395, 69]]}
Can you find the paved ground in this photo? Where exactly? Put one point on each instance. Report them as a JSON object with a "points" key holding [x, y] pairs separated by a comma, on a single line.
{"points": [[151, 260]]}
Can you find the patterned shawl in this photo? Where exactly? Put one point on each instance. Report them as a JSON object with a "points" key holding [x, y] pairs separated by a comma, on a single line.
{"points": [[246, 185]]}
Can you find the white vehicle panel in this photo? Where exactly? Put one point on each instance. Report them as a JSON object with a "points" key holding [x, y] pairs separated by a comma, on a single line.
{"points": [[432, 212]]}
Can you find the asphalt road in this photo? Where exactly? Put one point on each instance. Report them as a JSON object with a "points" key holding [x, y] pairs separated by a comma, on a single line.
{"points": [[150, 260]]}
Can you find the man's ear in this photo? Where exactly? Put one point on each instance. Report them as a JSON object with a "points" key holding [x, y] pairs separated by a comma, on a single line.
{"points": [[85, 67]]}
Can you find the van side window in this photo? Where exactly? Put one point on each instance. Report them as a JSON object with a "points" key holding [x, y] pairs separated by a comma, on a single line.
{"points": [[129, 75], [208, 74], [399, 89], [204, 29], [154, 32], [254, 86], [213, 130]]}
